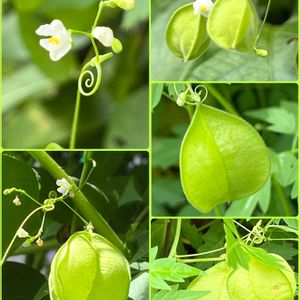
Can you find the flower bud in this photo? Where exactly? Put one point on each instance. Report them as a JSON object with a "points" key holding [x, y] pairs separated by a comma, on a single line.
{"points": [[17, 201], [88, 267], [125, 4], [181, 99], [262, 52], [117, 46], [104, 35]]}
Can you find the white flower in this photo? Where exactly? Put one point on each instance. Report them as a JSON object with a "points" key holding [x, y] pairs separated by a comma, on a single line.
{"points": [[21, 233], [39, 242], [202, 7], [17, 201], [104, 35], [59, 42], [64, 186]]}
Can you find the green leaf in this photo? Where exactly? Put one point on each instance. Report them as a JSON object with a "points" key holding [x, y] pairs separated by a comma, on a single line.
{"points": [[174, 89], [139, 287], [167, 192], [264, 196], [285, 249], [157, 90], [179, 295], [236, 256], [285, 168], [264, 256], [293, 223], [20, 281], [21, 176], [27, 82], [42, 292], [153, 253], [281, 120], [132, 19], [167, 269], [165, 152], [126, 131]]}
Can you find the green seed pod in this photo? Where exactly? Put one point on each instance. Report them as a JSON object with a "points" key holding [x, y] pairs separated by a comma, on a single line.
{"points": [[233, 24], [262, 281], [89, 267], [186, 34], [222, 158], [213, 280]]}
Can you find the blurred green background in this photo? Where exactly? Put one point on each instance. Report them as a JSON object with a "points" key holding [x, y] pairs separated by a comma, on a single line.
{"points": [[39, 94], [279, 37], [271, 108]]}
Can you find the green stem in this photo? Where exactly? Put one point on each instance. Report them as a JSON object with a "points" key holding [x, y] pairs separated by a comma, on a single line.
{"points": [[87, 209], [287, 209], [100, 9], [176, 239], [87, 156], [75, 121], [194, 260], [225, 103], [51, 244], [202, 253], [263, 22], [218, 211], [16, 234]]}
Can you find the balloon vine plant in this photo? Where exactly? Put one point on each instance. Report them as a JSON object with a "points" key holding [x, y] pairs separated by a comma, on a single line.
{"points": [[230, 24], [242, 268], [99, 255], [58, 42]]}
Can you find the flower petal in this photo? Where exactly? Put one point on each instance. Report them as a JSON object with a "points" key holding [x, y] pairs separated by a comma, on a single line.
{"points": [[44, 30]]}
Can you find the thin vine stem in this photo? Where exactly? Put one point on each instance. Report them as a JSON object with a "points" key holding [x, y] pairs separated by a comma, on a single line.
{"points": [[86, 208], [194, 260], [202, 253], [75, 121], [16, 234], [263, 22], [224, 102], [176, 239]]}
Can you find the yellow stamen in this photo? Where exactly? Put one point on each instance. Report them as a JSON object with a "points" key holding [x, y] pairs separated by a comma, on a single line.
{"points": [[54, 41], [203, 8]]}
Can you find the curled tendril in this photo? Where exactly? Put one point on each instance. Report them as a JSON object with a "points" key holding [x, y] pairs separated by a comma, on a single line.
{"points": [[195, 96], [87, 79]]}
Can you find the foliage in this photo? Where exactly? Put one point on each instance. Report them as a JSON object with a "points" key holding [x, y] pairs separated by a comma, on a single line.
{"points": [[202, 245], [267, 108], [118, 190], [220, 64], [39, 95]]}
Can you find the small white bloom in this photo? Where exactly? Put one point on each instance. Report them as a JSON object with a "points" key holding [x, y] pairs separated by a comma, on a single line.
{"points": [[22, 233], [59, 42], [63, 186], [104, 35], [39, 242], [17, 201], [202, 7]]}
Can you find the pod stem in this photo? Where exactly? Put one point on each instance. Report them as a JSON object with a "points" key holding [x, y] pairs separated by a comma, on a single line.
{"points": [[176, 239], [263, 22], [227, 105], [79, 199]]}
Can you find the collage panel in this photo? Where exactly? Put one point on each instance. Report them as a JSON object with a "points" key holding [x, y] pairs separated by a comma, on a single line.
{"points": [[225, 149], [75, 225], [230, 259], [72, 70], [224, 40]]}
